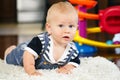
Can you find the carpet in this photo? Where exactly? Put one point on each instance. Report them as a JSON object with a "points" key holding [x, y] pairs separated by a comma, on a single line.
{"points": [[91, 68]]}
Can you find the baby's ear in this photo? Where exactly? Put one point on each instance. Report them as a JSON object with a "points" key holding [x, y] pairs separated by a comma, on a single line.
{"points": [[48, 28]]}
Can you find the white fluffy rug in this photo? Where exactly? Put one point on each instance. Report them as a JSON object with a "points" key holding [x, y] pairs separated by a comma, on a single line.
{"points": [[92, 68]]}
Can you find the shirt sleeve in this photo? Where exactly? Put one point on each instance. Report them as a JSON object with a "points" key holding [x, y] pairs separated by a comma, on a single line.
{"points": [[34, 46], [75, 61]]}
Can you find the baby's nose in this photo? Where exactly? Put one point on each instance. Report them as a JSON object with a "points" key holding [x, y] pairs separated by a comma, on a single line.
{"points": [[67, 29]]}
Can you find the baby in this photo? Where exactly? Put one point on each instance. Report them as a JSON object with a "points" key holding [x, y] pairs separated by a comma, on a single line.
{"points": [[52, 49]]}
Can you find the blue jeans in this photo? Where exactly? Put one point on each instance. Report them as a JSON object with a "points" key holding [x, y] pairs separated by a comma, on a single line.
{"points": [[16, 55]]}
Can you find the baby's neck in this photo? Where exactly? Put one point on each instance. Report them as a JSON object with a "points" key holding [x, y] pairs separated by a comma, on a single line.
{"points": [[58, 51], [59, 44]]}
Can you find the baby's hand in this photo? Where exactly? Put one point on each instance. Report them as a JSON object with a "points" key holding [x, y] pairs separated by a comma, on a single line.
{"points": [[66, 69], [63, 70], [35, 73]]}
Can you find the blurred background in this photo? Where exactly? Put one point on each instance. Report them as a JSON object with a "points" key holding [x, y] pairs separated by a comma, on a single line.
{"points": [[20, 20]]}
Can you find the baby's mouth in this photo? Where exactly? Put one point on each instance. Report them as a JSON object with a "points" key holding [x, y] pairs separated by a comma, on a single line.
{"points": [[66, 37]]}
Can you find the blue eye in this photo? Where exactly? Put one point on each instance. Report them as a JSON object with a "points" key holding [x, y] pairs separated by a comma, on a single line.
{"points": [[60, 25], [71, 26]]}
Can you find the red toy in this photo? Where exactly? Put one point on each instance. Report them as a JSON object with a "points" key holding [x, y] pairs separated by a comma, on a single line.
{"points": [[110, 19]]}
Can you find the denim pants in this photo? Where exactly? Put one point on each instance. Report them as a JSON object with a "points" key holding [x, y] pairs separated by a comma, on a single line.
{"points": [[16, 55]]}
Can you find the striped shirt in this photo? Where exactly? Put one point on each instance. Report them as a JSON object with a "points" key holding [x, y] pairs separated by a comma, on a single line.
{"points": [[43, 44]]}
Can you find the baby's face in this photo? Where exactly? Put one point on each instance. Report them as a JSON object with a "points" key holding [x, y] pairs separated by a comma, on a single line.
{"points": [[63, 28]]}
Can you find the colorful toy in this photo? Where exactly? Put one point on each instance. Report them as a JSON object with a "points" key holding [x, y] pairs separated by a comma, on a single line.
{"points": [[86, 50], [87, 3], [109, 22], [82, 40], [110, 19]]}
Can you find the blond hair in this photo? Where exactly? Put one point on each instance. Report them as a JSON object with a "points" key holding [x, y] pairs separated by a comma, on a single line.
{"points": [[62, 8]]}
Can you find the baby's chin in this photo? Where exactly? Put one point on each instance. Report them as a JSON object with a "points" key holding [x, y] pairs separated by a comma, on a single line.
{"points": [[66, 42]]}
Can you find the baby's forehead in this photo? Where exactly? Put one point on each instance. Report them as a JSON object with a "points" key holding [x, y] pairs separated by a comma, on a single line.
{"points": [[64, 18], [64, 14]]}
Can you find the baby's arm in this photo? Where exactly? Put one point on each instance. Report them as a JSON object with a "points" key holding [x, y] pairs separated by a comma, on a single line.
{"points": [[29, 64]]}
